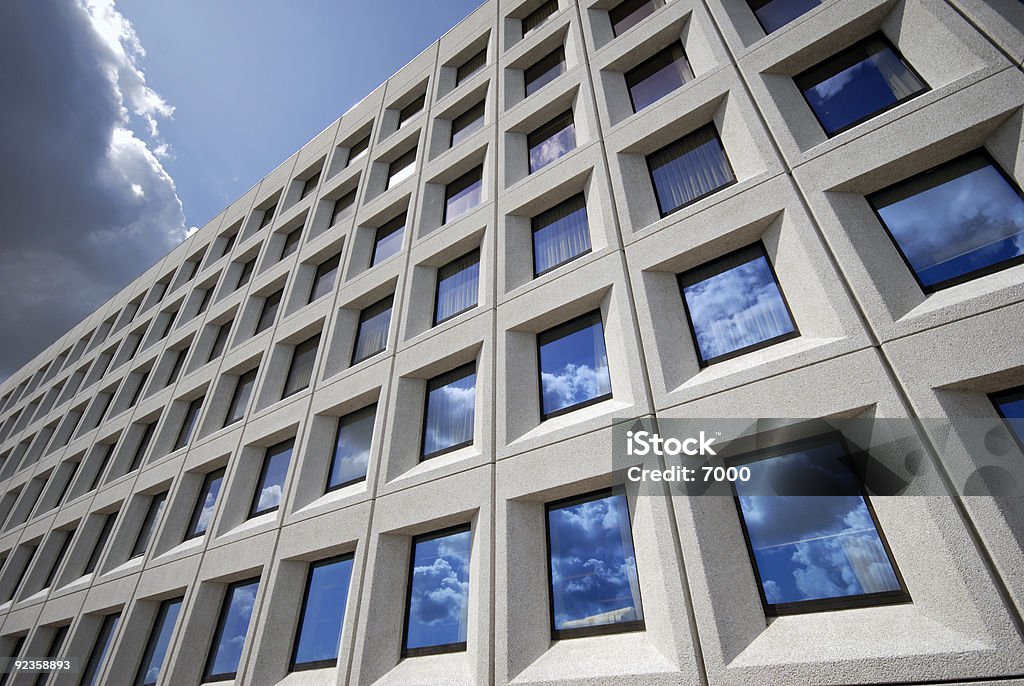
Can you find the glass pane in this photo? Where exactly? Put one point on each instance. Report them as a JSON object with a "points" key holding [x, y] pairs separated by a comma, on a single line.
{"points": [[462, 194], [593, 567], [857, 84], [269, 312], [458, 286], [411, 110], [551, 141], [560, 235], [372, 334], [689, 169], [1011, 406], [149, 524], [240, 398], [537, 17], [956, 221], [270, 488], [188, 424], [438, 592], [358, 149], [545, 70], [159, 642], [573, 364], [628, 14], [323, 613], [467, 122], [234, 625], [291, 243], [471, 66], [205, 503], [352, 448], [300, 373], [343, 207], [657, 77], [91, 673], [220, 342], [734, 303], [402, 168], [389, 240], [268, 215], [323, 280], [451, 406], [774, 14], [243, 276]]}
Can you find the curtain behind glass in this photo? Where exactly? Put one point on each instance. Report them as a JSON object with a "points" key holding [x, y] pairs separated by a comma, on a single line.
{"points": [[688, 169], [458, 286], [560, 234], [301, 371], [451, 409], [372, 336]]}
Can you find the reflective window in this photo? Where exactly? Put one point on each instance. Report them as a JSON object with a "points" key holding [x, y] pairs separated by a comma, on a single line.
{"points": [[105, 638], [462, 194], [291, 243], [159, 643], [352, 448], [232, 628], [388, 241], [101, 543], [450, 411], [734, 305], [323, 613], [545, 70], [560, 235], [1011, 407], [149, 524], [309, 185], [268, 314], [471, 66], [188, 424], [774, 14], [270, 486], [240, 398], [437, 613], [358, 149], [851, 87], [629, 13], [323, 280], [402, 168], [343, 207], [207, 500], [959, 221], [552, 140], [813, 552], [458, 287], [221, 341], [532, 21], [573, 365], [466, 123], [689, 169], [658, 76], [372, 332], [411, 110], [300, 372]]}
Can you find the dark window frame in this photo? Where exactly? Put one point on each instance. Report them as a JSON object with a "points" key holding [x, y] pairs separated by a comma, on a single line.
{"points": [[469, 66], [758, 4], [654, 186], [476, 174], [158, 622], [361, 146], [534, 229], [218, 634], [101, 646], [336, 211], [197, 510], [472, 367], [437, 287], [150, 523], [535, 20], [100, 544], [229, 417], [268, 215], [409, 154], [359, 329], [310, 183], [275, 298], [439, 649], [555, 57], [290, 246], [370, 409], [482, 107], [253, 508], [391, 226], [317, 338], [1005, 396], [220, 343], [294, 666], [546, 132], [331, 264], [570, 326], [185, 437], [633, 5], [647, 64], [405, 116]]}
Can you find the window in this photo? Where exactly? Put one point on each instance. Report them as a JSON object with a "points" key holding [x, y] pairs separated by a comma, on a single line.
{"points": [[188, 424], [194, 267], [205, 503], [388, 240], [533, 20], [629, 13], [171, 316], [179, 362], [466, 123], [689, 169], [551, 141], [291, 243], [310, 184], [372, 333], [573, 365], [246, 273], [545, 70], [323, 613], [813, 552], [1010, 405], [352, 448], [149, 524], [734, 305], [860, 82], [221, 341], [658, 76], [143, 446], [343, 207], [229, 243], [458, 287], [358, 149], [65, 543], [300, 372], [268, 314], [956, 222], [204, 302], [462, 194], [268, 215], [232, 627], [100, 648], [401, 168], [450, 411], [29, 558], [270, 487], [406, 114], [159, 642], [436, 617], [323, 280], [560, 235], [108, 452], [471, 66], [19, 643], [53, 651], [101, 543], [594, 584], [774, 14], [240, 397]]}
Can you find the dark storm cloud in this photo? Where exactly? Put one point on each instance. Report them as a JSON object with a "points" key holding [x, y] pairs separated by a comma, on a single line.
{"points": [[85, 205]]}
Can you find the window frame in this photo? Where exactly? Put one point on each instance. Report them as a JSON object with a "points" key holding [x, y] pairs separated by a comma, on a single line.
{"points": [[482, 106], [391, 183], [474, 175], [309, 184], [359, 329], [569, 324], [637, 6], [367, 410], [646, 64], [197, 510], [218, 633], [1013, 394], [253, 511], [550, 5], [437, 288], [96, 661], [548, 128], [230, 420], [426, 407], [224, 328], [331, 264], [185, 437], [151, 640], [404, 116], [441, 649], [290, 246], [318, 338], [294, 666], [392, 226], [361, 146], [154, 512], [268, 215], [276, 297], [460, 77], [338, 213], [725, 155], [560, 50], [100, 544], [534, 230]]}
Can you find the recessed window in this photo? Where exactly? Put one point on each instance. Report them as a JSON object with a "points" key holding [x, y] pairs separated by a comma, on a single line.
{"points": [[406, 114], [358, 149], [245, 274], [159, 643], [205, 301], [169, 323], [573, 365], [60, 634], [240, 397], [388, 240], [268, 215], [401, 168], [352, 448], [462, 194], [658, 76], [774, 14], [232, 628], [188, 424], [143, 446], [437, 614], [471, 66], [956, 222], [466, 123], [372, 332], [450, 411], [270, 486], [107, 451], [343, 207], [100, 648], [693, 167], [65, 543], [300, 372], [310, 184], [221, 341], [734, 305], [545, 70], [594, 584], [814, 552], [30, 556], [860, 82], [552, 140], [179, 364], [207, 500], [533, 20], [560, 235], [629, 13], [458, 287], [291, 243], [229, 243], [101, 543], [268, 313], [149, 524], [323, 613], [323, 280], [1010, 405]]}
